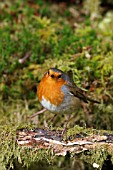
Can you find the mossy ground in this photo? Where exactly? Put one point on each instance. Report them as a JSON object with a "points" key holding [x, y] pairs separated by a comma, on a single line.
{"points": [[69, 37]]}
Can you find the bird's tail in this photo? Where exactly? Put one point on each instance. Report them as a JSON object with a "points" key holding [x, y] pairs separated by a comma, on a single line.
{"points": [[92, 100]]}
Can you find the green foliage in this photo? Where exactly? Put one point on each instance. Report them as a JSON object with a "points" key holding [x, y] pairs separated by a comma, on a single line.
{"points": [[50, 42], [92, 8], [97, 156], [13, 154]]}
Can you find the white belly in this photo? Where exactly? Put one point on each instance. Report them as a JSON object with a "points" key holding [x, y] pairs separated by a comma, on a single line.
{"points": [[68, 105], [45, 103]]}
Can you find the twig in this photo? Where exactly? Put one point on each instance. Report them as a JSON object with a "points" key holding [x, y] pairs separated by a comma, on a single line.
{"points": [[27, 55]]}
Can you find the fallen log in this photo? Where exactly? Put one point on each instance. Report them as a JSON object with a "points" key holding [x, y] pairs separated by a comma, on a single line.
{"points": [[43, 138]]}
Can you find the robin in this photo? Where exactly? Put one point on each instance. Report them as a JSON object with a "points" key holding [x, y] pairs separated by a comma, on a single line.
{"points": [[59, 94]]}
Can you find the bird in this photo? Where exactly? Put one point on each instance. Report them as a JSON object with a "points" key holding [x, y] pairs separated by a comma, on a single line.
{"points": [[58, 93]]}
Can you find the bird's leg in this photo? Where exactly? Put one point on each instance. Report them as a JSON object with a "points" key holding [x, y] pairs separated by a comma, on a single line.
{"points": [[65, 125], [84, 108], [38, 113]]}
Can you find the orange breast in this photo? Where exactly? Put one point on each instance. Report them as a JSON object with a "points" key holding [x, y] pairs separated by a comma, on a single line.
{"points": [[51, 90]]}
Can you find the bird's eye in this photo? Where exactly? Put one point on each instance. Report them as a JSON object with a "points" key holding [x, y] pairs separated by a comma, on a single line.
{"points": [[59, 76], [52, 75]]}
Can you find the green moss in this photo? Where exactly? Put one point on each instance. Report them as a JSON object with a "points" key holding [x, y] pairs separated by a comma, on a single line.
{"points": [[12, 153], [98, 156]]}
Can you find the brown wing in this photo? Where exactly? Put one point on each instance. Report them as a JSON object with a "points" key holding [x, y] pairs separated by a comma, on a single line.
{"points": [[77, 92]]}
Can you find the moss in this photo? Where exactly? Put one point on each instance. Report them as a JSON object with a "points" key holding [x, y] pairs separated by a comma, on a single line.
{"points": [[98, 156], [12, 154], [83, 131]]}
